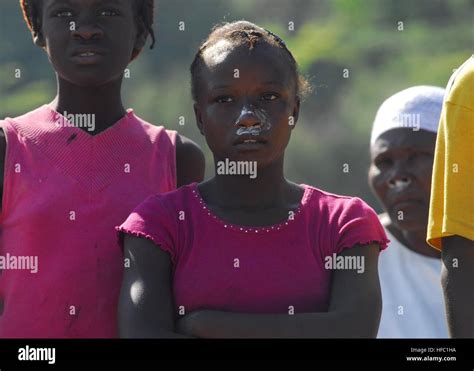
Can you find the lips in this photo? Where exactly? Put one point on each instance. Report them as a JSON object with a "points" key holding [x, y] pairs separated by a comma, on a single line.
{"points": [[250, 139], [247, 143], [406, 201], [87, 52], [87, 55]]}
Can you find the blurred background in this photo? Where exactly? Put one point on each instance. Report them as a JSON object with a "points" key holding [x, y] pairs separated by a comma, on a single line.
{"points": [[356, 53]]}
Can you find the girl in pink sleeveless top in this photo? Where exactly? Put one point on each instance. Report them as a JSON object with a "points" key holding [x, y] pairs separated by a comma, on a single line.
{"points": [[75, 168], [249, 253]]}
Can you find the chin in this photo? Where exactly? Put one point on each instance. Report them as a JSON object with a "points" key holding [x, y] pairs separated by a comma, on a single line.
{"points": [[89, 78], [410, 226], [412, 223]]}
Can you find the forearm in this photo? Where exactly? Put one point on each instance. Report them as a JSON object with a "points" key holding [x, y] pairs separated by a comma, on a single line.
{"points": [[354, 311], [145, 332], [218, 324], [133, 327], [458, 285]]}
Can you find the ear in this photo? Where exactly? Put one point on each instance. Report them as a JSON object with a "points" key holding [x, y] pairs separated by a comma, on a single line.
{"points": [[198, 115], [35, 23], [140, 40], [38, 39], [142, 34], [296, 111]]}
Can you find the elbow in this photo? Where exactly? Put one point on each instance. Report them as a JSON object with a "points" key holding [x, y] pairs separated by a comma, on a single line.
{"points": [[367, 327], [138, 331], [359, 325], [364, 321]]}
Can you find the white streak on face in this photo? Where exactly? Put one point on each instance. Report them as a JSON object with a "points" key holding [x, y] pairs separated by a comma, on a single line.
{"points": [[262, 116], [245, 111]]}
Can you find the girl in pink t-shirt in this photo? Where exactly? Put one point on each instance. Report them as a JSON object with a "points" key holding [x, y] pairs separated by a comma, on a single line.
{"points": [[70, 171], [249, 253]]}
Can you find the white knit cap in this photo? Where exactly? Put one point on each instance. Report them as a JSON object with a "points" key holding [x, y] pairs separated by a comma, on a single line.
{"points": [[418, 107]]}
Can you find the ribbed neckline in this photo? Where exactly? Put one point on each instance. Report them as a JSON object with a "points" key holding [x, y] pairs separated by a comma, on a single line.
{"points": [[308, 191], [56, 116]]}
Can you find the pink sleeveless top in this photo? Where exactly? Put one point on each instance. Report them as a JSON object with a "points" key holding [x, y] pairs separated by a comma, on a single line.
{"points": [[64, 191]]}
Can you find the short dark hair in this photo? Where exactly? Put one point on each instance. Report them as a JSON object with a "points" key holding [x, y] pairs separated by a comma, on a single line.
{"points": [[145, 16], [241, 33]]}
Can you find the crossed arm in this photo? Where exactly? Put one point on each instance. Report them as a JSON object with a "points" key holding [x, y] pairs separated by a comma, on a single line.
{"points": [[146, 307]]}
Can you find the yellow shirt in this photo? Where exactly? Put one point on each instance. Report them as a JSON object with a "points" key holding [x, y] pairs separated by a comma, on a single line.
{"points": [[452, 187]]}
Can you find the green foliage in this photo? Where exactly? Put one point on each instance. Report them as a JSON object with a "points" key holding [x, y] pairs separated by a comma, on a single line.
{"points": [[362, 36]]}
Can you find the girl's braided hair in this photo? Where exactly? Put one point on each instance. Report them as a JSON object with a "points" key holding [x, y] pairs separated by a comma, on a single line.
{"points": [[241, 33]]}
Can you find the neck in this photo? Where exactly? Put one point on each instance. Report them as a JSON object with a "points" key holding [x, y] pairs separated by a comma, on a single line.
{"points": [[415, 241], [104, 102], [269, 188]]}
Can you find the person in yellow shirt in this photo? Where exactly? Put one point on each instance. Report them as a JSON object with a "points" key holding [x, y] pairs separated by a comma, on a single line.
{"points": [[451, 216]]}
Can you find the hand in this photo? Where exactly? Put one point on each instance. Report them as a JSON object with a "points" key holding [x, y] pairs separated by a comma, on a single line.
{"points": [[189, 323]]}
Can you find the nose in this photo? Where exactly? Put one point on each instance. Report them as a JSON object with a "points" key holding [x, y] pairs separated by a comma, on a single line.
{"points": [[247, 117], [400, 183], [87, 32], [399, 178]]}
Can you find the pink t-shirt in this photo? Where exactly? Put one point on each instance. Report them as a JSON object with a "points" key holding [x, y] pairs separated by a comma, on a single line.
{"points": [[64, 192], [222, 266]]}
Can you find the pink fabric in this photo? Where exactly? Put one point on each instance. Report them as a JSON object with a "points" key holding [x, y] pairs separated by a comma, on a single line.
{"points": [[279, 267], [62, 206]]}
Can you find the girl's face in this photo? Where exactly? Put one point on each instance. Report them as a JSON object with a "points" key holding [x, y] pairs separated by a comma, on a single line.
{"points": [[247, 102], [89, 42]]}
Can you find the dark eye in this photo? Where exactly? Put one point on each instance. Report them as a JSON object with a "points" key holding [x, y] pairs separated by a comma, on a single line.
{"points": [[224, 99], [425, 154], [270, 96], [383, 162], [63, 14], [421, 156], [108, 13]]}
